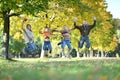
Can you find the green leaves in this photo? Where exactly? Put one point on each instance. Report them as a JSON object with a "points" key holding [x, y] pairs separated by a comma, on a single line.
{"points": [[57, 13], [24, 6]]}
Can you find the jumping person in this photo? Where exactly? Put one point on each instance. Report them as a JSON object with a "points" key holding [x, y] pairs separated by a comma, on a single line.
{"points": [[29, 38], [47, 44], [66, 40], [85, 30]]}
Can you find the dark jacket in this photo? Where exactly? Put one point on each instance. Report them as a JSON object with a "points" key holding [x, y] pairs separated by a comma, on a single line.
{"points": [[85, 30]]}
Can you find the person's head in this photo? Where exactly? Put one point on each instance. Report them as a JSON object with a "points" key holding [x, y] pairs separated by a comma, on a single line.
{"points": [[28, 27], [84, 22], [65, 27], [46, 28]]}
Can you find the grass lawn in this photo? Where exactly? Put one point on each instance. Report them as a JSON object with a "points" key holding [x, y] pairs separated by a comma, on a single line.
{"points": [[60, 69]]}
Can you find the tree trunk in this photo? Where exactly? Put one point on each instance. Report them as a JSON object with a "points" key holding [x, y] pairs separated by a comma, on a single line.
{"points": [[78, 54], [102, 54], [19, 55], [84, 54], [91, 53], [6, 35], [106, 54], [42, 52], [98, 55]]}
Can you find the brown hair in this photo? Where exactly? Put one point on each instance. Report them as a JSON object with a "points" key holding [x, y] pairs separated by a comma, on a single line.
{"points": [[27, 26]]}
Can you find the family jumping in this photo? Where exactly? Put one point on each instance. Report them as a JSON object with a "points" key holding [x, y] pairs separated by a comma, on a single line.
{"points": [[84, 30]]}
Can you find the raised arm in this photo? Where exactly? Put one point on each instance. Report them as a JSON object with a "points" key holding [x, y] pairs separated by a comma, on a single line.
{"points": [[23, 25], [94, 24], [56, 30], [72, 29], [24, 28], [75, 26], [40, 32], [30, 38]]}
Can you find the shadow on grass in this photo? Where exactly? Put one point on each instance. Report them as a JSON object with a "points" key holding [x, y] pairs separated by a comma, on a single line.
{"points": [[9, 59]]}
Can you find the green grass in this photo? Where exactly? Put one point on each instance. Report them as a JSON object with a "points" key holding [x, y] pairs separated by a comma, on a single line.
{"points": [[60, 69]]}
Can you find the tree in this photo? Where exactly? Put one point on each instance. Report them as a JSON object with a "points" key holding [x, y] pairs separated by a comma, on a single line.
{"points": [[60, 13], [102, 36], [9, 8], [0, 42]]}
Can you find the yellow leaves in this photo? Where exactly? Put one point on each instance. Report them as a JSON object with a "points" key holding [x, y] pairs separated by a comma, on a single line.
{"points": [[106, 27], [46, 21], [113, 45], [17, 36], [101, 3], [85, 1], [107, 48], [115, 39], [12, 31], [85, 15], [42, 14], [70, 10], [60, 15]]}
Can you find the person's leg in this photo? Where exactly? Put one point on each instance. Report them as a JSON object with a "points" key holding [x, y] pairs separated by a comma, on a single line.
{"points": [[87, 45], [32, 49], [59, 43], [63, 46], [82, 39], [69, 47], [33, 46], [26, 49], [50, 47], [45, 48], [30, 46], [45, 53], [81, 43], [87, 42]]}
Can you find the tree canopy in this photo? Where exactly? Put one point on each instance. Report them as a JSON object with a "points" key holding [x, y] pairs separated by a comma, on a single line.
{"points": [[56, 14]]}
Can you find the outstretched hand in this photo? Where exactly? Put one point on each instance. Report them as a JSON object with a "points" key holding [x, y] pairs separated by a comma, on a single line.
{"points": [[24, 20], [23, 24]]}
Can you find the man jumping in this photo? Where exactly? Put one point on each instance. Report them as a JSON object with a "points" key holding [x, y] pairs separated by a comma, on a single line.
{"points": [[85, 30]]}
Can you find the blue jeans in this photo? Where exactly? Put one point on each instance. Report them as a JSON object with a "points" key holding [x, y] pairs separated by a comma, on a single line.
{"points": [[30, 46], [66, 42], [84, 39], [47, 45]]}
